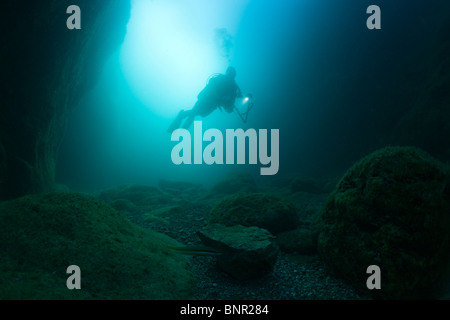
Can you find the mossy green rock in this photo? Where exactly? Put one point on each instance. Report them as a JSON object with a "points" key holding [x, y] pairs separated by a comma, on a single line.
{"points": [[262, 210], [41, 235], [391, 209]]}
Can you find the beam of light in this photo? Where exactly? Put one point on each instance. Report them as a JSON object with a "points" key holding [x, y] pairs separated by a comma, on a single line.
{"points": [[170, 50]]}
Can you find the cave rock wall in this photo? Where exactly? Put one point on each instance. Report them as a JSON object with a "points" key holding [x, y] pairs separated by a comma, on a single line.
{"points": [[46, 68]]}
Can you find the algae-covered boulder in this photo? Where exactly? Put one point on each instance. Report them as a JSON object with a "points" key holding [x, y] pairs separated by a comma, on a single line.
{"points": [[262, 210], [42, 235], [391, 209]]}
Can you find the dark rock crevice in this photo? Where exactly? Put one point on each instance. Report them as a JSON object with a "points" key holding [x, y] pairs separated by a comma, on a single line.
{"points": [[46, 70]]}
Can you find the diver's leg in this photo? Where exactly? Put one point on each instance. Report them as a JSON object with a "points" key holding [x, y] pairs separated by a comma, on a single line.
{"points": [[177, 122], [187, 124], [191, 114], [203, 112]]}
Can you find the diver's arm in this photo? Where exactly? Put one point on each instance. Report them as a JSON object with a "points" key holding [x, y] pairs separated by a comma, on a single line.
{"points": [[238, 92], [229, 109]]}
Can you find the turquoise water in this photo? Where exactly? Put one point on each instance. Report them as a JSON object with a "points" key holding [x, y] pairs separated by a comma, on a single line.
{"points": [[317, 74]]}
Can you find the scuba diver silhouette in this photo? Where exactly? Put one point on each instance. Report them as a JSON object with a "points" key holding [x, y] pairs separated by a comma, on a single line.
{"points": [[220, 92]]}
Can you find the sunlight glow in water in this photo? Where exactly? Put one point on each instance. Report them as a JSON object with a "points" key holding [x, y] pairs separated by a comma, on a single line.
{"points": [[170, 50]]}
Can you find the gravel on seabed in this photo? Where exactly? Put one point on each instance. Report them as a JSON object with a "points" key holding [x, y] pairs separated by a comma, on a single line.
{"points": [[304, 278]]}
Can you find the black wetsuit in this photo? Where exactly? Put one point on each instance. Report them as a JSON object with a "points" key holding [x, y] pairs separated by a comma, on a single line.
{"points": [[221, 91]]}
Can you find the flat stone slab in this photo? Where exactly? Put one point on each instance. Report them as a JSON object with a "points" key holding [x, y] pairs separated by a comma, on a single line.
{"points": [[247, 252]]}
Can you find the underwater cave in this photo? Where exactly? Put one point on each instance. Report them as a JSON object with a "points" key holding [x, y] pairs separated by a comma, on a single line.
{"points": [[362, 117], [50, 71]]}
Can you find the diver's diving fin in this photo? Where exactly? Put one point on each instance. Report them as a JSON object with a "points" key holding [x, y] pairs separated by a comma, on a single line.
{"points": [[177, 122]]}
